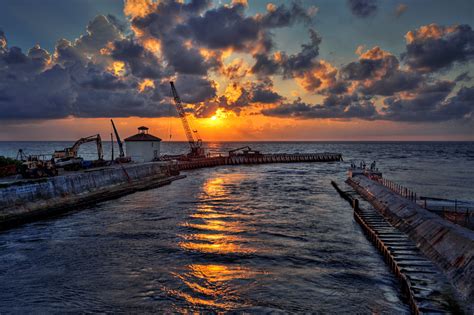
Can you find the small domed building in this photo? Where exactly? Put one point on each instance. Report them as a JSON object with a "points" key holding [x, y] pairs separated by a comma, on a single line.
{"points": [[143, 147]]}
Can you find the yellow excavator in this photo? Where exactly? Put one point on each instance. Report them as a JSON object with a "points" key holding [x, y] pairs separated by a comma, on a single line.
{"points": [[68, 158]]}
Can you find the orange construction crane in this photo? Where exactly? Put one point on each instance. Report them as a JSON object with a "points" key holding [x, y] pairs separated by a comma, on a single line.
{"points": [[197, 151]]}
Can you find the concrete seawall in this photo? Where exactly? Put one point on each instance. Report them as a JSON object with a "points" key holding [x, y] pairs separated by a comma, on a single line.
{"points": [[26, 200], [450, 246]]}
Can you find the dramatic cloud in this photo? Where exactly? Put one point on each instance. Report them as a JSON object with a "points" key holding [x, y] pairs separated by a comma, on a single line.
{"points": [[289, 65], [225, 59], [362, 8], [433, 47], [95, 76], [378, 72], [264, 94], [100, 31], [229, 27], [321, 77], [430, 103], [142, 63], [334, 106], [194, 89]]}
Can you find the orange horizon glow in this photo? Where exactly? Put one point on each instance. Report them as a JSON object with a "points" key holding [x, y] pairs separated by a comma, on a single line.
{"points": [[225, 127]]}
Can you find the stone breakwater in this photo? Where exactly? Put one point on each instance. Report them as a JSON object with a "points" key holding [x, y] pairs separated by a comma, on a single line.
{"points": [[23, 201], [450, 246]]}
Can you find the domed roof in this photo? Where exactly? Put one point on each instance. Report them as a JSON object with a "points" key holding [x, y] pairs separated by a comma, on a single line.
{"points": [[142, 135]]}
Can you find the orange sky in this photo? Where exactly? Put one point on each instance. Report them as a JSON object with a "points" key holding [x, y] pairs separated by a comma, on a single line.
{"points": [[259, 128], [226, 92]]}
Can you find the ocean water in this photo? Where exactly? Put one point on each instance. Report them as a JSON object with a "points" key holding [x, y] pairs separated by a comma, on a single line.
{"points": [[259, 238]]}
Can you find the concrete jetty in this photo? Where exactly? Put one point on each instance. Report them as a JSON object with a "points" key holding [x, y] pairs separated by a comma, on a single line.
{"points": [[22, 201], [449, 246], [426, 287], [26, 200]]}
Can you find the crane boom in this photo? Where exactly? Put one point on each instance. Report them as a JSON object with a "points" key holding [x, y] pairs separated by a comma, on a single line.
{"points": [[120, 144], [195, 144], [182, 115]]}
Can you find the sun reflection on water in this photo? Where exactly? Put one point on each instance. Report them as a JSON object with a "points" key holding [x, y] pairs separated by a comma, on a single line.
{"points": [[215, 228], [210, 284]]}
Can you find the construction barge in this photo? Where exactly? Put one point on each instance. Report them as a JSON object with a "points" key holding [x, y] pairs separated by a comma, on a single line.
{"points": [[431, 256]]}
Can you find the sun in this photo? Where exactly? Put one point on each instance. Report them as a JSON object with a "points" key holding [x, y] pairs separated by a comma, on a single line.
{"points": [[219, 116]]}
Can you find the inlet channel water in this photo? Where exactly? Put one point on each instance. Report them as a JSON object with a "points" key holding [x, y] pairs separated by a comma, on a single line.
{"points": [[260, 238]]}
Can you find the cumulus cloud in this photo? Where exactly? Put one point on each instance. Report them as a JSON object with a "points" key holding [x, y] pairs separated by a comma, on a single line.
{"points": [[100, 31], [264, 93], [430, 103], [433, 47], [109, 71], [321, 77], [142, 63], [289, 65], [334, 106], [194, 88], [362, 8], [229, 27], [378, 72], [80, 79], [104, 71]]}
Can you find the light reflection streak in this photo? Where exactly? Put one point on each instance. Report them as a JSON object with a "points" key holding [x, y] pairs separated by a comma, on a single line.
{"points": [[214, 230], [209, 284]]}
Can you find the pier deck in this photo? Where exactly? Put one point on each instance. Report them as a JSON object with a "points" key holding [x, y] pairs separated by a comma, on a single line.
{"points": [[239, 159]]}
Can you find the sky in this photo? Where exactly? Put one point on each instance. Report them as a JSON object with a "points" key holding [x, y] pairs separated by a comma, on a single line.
{"points": [[245, 70]]}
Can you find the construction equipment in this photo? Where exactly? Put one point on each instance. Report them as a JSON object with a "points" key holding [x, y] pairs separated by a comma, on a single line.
{"points": [[68, 158], [36, 166], [112, 145], [122, 158], [21, 156], [8, 166], [245, 150], [197, 151]]}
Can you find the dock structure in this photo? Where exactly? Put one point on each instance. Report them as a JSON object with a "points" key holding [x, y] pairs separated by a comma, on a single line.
{"points": [[420, 246], [422, 281], [239, 159]]}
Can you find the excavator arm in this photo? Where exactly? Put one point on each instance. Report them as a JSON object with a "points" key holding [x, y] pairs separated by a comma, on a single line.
{"points": [[72, 151]]}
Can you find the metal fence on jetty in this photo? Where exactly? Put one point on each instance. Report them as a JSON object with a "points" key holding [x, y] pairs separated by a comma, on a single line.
{"points": [[457, 211]]}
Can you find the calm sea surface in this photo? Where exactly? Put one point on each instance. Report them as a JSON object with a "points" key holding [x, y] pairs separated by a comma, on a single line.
{"points": [[272, 237]]}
